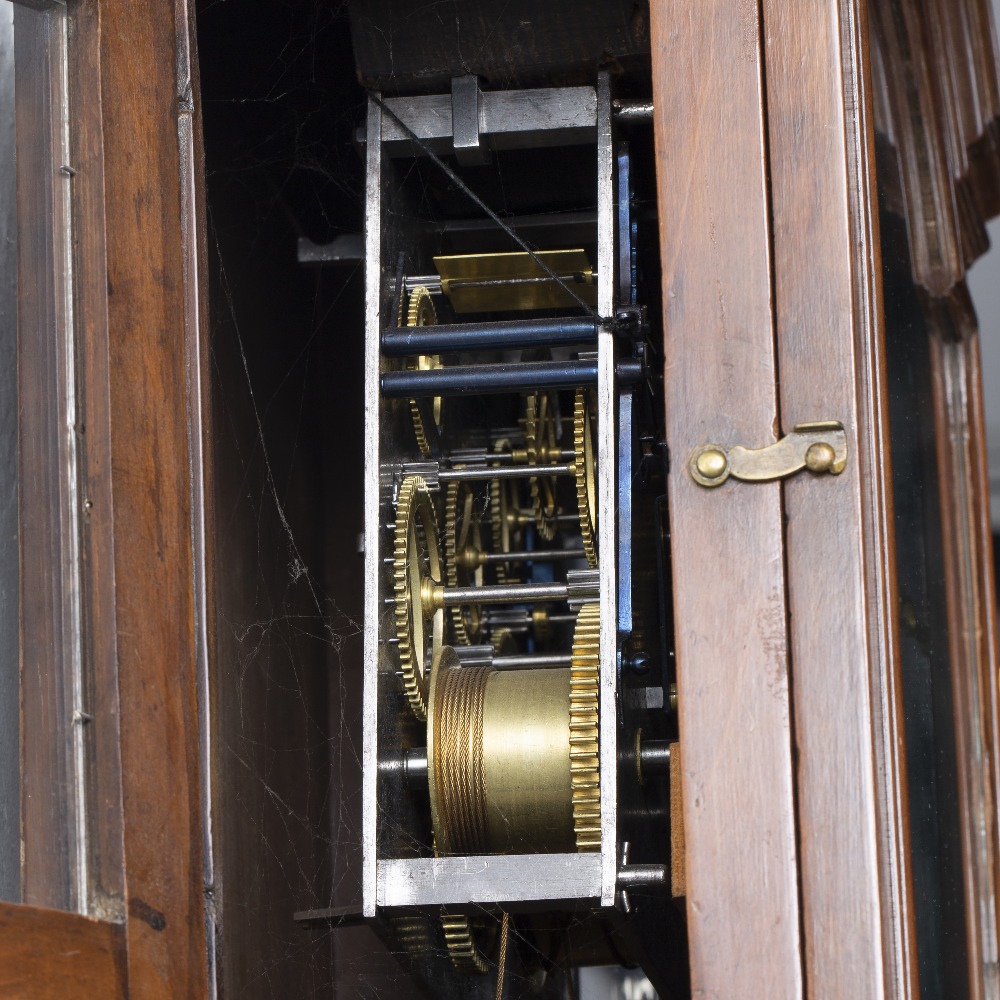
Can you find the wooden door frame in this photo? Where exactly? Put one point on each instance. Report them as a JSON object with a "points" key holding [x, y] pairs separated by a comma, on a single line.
{"points": [[136, 201], [793, 770]]}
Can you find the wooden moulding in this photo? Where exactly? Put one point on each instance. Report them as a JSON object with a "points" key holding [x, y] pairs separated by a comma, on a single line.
{"points": [[972, 635], [939, 105], [51, 955], [728, 566]]}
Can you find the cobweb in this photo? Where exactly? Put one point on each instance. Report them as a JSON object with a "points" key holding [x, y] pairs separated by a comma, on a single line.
{"points": [[280, 108]]}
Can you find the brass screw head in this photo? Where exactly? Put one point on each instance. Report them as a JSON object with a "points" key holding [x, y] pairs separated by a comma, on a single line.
{"points": [[819, 457], [711, 463]]}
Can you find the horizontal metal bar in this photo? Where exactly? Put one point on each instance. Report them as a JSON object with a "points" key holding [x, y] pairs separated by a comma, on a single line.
{"points": [[504, 472], [508, 119], [506, 878], [499, 378], [492, 378], [527, 661], [533, 555], [510, 593], [642, 876], [633, 111], [400, 342]]}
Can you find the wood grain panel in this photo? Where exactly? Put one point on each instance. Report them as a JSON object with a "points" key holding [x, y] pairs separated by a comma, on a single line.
{"points": [[729, 596], [840, 581], [151, 478], [50, 955]]}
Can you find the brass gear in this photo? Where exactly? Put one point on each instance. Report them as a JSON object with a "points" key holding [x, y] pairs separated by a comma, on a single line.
{"points": [[421, 313], [584, 713], [505, 512], [503, 642], [584, 465], [540, 445], [464, 950], [463, 541], [416, 556]]}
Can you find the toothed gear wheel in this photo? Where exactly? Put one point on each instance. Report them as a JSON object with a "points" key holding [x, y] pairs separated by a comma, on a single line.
{"points": [[583, 727], [416, 557], [585, 464], [463, 541], [540, 444], [505, 511], [463, 949], [421, 313]]}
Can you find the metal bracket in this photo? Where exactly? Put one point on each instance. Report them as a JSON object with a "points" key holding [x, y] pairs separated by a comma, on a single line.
{"points": [[820, 446]]}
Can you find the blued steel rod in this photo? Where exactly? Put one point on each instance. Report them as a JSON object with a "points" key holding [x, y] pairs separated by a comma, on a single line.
{"points": [[498, 378], [491, 378], [400, 342]]}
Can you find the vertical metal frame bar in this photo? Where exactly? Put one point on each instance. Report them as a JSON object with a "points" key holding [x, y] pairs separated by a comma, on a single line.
{"points": [[607, 547], [372, 533]]}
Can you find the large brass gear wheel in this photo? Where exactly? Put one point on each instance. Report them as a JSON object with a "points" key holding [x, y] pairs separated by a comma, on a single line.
{"points": [[463, 543], [416, 558], [585, 466], [540, 445], [584, 734], [421, 313]]}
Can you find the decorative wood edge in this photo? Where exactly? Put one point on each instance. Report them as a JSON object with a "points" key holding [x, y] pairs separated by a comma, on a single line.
{"points": [[969, 584], [937, 102]]}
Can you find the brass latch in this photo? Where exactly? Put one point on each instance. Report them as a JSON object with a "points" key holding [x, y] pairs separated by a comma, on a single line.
{"points": [[820, 446]]}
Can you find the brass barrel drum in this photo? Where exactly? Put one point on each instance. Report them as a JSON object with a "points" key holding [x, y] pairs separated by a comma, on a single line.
{"points": [[512, 754]]}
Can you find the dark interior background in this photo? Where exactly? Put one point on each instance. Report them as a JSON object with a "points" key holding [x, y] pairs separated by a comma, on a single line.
{"points": [[281, 104]]}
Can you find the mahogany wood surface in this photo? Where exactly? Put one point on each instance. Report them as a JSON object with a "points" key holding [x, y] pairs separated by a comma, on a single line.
{"points": [[51, 955], [841, 578], [728, 568], [155, 577]]}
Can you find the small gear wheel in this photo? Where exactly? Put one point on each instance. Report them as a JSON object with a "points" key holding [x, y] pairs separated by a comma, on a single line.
{"points": [[505, 517], [585, 466], [416, 559], [421, 313], [540, 445], [468, 944], [584, 712], [505, 522], [463, 543]]}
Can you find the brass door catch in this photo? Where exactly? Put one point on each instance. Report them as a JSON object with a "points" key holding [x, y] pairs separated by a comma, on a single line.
{"points": [[820, 446]]}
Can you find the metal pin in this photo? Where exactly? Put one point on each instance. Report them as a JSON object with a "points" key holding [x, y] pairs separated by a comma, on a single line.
{"points": [[506, 472]]}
